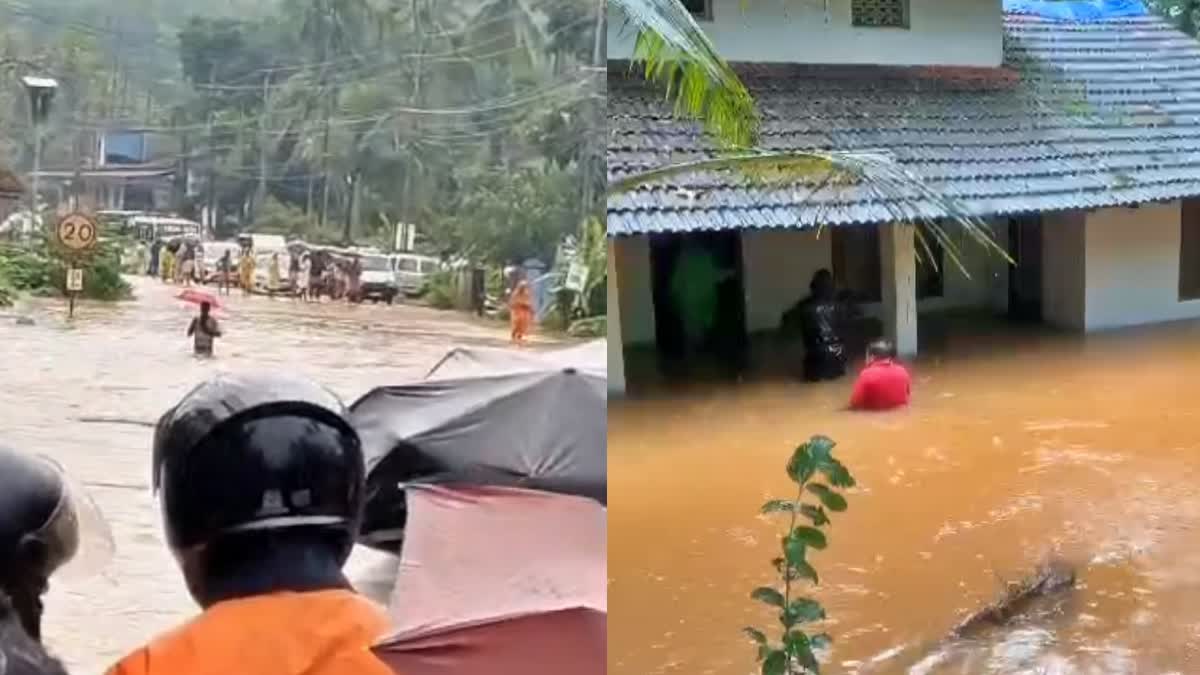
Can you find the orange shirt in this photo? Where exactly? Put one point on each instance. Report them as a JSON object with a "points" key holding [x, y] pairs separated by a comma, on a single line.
{"points": [[318, 633]]}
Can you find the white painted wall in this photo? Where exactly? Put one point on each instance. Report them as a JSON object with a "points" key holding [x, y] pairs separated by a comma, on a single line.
{"points": [[1133, 267], [941, 32], [631, 257], [616, 345], [1064, 270], [777, 266]]}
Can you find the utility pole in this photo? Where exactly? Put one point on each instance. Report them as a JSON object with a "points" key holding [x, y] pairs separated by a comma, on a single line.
{"points": [[325, 167], [596, 117], [264, 135], [41, 92]]}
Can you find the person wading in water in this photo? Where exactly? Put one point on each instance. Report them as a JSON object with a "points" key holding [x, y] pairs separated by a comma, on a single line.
{"points": [[203, 330]]}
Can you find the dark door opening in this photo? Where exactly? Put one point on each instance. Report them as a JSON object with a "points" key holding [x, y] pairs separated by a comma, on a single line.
{"points": [[723, 342], [1025, 277]]}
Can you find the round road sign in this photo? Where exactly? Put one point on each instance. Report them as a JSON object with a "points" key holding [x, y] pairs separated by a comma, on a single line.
{"points": [[77, 232]]}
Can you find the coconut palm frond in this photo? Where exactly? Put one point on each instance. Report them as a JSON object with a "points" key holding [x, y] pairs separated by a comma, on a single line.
{"points": [[906, 197], [676, 54]]}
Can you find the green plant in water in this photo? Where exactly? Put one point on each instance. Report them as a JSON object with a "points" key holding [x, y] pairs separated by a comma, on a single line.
{"points": [[793, 652]]}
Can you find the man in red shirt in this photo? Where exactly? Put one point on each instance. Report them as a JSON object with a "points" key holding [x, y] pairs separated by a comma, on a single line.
{"points": [[883, 384]]}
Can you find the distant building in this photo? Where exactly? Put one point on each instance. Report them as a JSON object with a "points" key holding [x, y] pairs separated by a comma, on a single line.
{"points": [[133, 170], [1077, 140]]}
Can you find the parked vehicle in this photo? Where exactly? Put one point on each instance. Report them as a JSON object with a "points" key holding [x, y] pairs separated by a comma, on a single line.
{"points": [[211, 262], [413, 272], [151, 228], [378, 280]]}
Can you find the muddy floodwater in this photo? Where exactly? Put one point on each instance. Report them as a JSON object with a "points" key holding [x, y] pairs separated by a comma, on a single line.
{"points": [[1018, 446], [131, 361]]}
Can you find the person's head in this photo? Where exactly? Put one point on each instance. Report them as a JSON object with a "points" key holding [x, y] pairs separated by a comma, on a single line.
{"points": [[20, 652], [880, 350], [228, 254], [40, 530], [205, 308], [247, 465], [822, 283]]}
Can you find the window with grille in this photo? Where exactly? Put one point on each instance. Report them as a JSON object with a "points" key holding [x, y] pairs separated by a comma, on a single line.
{"points": [[879, 13], [700, 9]]}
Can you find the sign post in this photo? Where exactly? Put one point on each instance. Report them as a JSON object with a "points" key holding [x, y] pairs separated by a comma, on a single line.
{"points": [[78, 235]]}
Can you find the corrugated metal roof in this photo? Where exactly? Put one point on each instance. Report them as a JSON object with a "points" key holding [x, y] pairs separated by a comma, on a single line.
{"points": [[1088, 115]]}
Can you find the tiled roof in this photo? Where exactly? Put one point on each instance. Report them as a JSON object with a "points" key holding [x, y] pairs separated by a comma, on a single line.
{"points": [[1080, 116]]}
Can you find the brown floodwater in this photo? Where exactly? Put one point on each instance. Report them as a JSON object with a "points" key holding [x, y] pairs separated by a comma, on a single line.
{"points": [[1018, 446], [76, 391]]}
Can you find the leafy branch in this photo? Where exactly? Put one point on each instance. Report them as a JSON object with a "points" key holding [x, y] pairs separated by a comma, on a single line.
{"points": [[793, 652]]}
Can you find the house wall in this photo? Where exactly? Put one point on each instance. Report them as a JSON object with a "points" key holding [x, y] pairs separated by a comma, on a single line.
{"points": [[941, 32], [635, 295], [1133, 267], [777, 266], [1064, 270]]}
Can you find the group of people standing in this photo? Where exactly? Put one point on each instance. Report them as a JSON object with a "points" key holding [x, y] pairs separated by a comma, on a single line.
{"points": [[176, 262], [261, 486]]}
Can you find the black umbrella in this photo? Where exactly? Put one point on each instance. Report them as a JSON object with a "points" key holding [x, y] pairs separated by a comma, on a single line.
{"points": [[536, 426]]}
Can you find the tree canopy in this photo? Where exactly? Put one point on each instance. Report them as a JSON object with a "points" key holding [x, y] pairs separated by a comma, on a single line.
{"points": [[476, 120]]}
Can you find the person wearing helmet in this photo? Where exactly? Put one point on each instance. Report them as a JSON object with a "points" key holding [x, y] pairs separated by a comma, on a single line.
{"points": [[21, 654], [40, 531], [260, 481]]}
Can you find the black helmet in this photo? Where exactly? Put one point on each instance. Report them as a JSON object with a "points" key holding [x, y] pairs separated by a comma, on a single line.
{"points": [[47, 524], [35, 509], [251, 453]]}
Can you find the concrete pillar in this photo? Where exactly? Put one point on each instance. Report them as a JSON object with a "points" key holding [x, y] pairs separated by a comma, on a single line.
{"points": [[897, 254], [616, 345]]}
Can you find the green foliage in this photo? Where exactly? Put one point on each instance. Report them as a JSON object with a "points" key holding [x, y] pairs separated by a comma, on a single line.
{"points": [[593, 327], [793, 653], [38, 269], [442, 290], [510, 216]]}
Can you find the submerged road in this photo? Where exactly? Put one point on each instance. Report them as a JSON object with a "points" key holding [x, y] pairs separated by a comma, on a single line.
{"points": [[68, 385]]}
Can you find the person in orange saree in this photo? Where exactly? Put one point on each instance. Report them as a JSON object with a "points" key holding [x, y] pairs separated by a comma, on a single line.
{"points": [[260, 482], [520, 309]]}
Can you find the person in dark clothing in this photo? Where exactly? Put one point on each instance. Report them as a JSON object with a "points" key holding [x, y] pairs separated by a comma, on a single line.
{"points": [[155, 254], [42, 529], [20, 654], [817, 321]]}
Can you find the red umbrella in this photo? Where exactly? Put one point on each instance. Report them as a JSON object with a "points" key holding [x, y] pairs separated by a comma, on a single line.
{"points": [[500, 581], [198, 297]]}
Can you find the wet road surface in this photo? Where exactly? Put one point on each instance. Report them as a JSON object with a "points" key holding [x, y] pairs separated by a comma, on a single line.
{"points": [[1018, 446], [132, 361]]}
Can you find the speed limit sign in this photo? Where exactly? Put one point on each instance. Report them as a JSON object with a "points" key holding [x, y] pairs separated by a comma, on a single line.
{"points": [[77, 232]]}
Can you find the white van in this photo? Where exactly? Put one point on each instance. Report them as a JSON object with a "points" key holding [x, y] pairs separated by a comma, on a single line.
{"points": [[413, 272], [378, 279]]}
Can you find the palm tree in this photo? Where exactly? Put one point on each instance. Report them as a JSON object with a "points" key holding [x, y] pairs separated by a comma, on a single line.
{"points": [[674, 53]]}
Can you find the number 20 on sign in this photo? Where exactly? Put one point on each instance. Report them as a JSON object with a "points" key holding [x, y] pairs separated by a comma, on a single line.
{"points": [[77, 232]]}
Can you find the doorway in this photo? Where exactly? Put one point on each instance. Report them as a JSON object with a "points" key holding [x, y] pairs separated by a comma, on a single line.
{"points": [[724, 345], [1025, 276]]}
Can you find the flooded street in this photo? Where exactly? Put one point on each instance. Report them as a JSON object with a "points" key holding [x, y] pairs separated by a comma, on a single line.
{"points": [[1017, 447], [132, 361]]}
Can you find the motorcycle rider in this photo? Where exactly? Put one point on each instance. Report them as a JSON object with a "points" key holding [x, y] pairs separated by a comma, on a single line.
{"points": [[45, 524], [261, 485]]}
